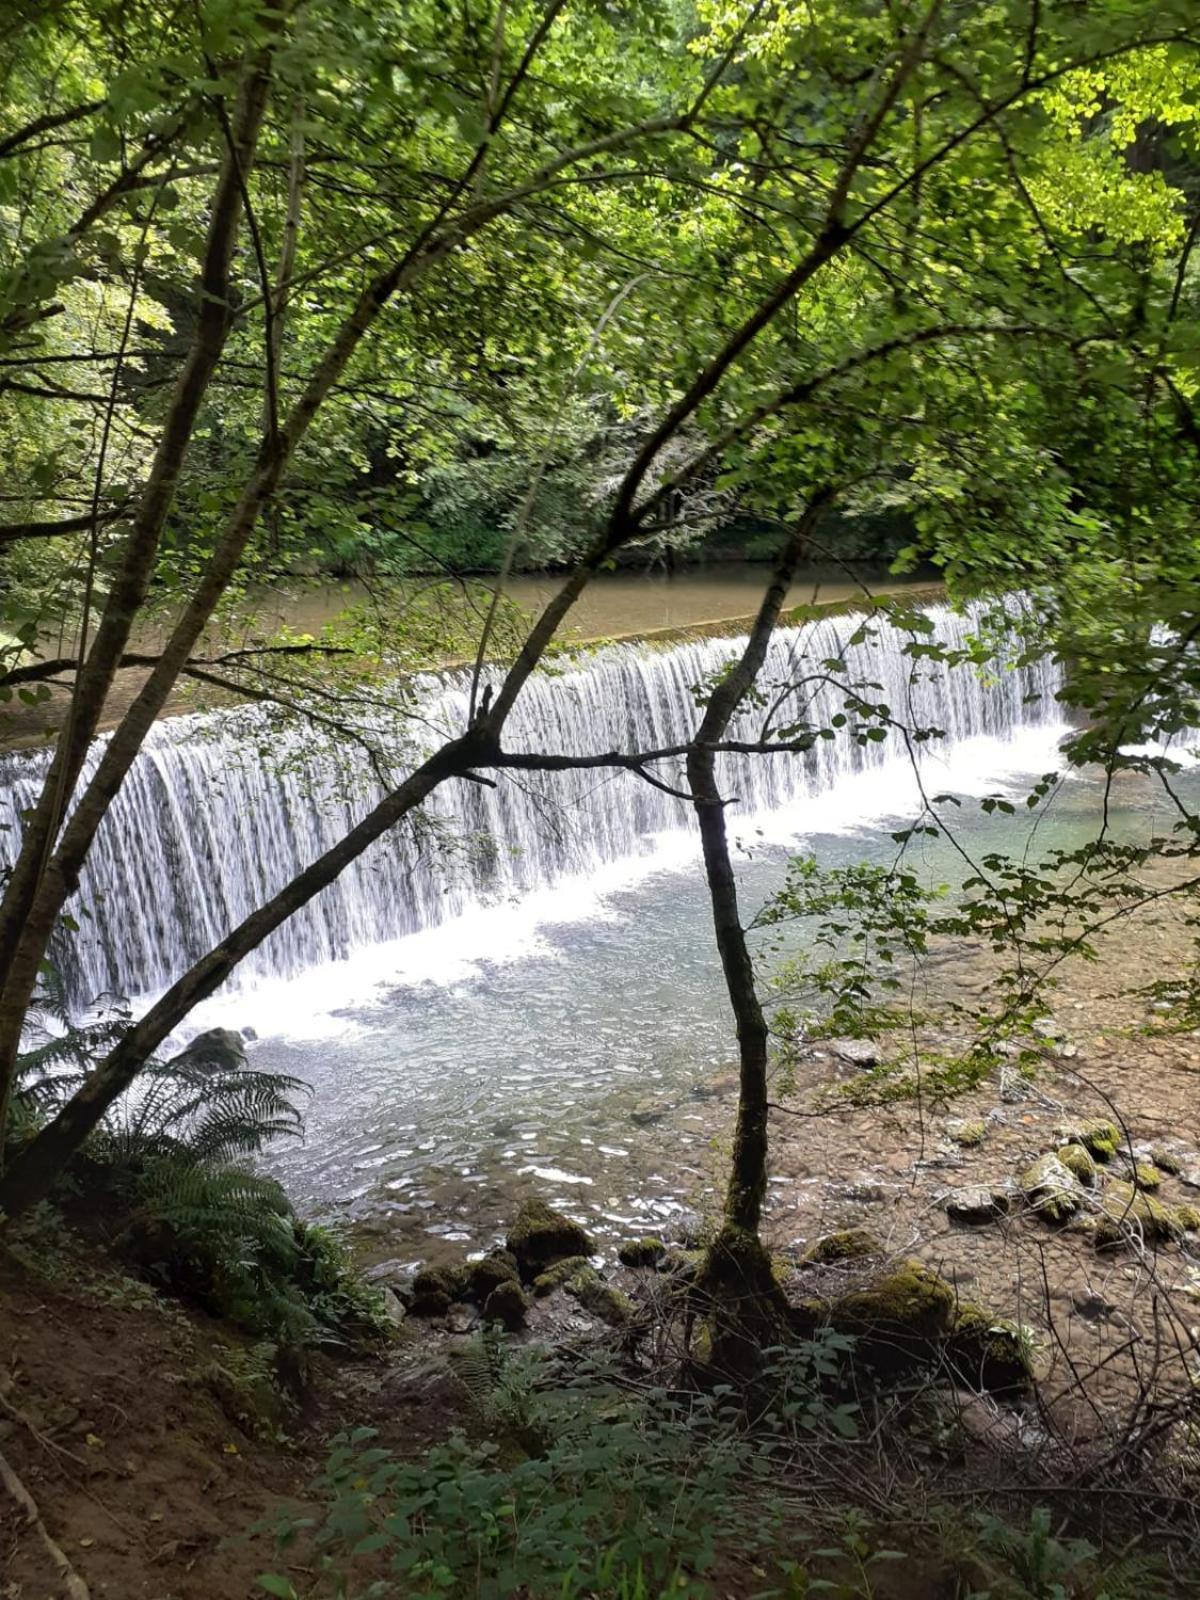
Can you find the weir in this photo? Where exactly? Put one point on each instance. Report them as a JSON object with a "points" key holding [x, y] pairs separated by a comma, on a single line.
{"points": [[222, 808]]}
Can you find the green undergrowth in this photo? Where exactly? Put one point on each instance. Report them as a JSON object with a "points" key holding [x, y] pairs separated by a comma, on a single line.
{"points": [[582, 1482]]}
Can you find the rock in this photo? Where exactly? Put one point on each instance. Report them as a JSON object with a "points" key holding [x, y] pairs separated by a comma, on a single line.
{"points": [[688, 1229], [855, 1052], [508, 1305], [484, 1276], [556, 1276], [1091, 1306], [541, 1235], [648, 1112], [600, 1298], [1050, 1189], [1143, 1175], [851, 1244], [989, 1353], [683, 1265], [218, 1050], [864, 1188], [641, 1252], [1101, 1139], [976, 1205], [393, 1306], [716, 1088], [1129, 1216], [901, 1319], [1189, 1218], [1166, 1160], [1079, 1163], [434, 1290], [250, 1034], [1048, 1028], [965, 1133]]}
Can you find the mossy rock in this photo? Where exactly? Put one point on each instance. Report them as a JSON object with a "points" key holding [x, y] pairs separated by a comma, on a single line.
{"points": [[541, 1235], [851, 1244], [1101, 1139], [484, 1276], [435, 1289], [1078, 1160], [1128, 1212], [556, 1276], [508, 1304], [641, 1252], [600, 1298], [682, 1264], [901, 1319], [1050, 1189], [1146, 1176], [1166, 1161], [988, 1353], [967, 1134], [1189, 1218]]}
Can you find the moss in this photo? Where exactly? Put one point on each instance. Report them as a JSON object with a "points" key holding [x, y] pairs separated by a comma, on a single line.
{"points": [[1050, 1189], [989, 1353], [1145, 1176], [541, 1235], [851, 1244], [1100, 1139], [434, 1290], [508, 1305], [600, 1298], [556, 1276], [1078, 1161], [1166, 1161], [682, 1264], [967, 1134], [484, 1276], [641, 1252], [901, 1318], [1189, 1218], [1128, 1212]]}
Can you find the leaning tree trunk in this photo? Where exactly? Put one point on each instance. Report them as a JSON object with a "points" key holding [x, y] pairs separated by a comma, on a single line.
{"points": [[746, 1305]]}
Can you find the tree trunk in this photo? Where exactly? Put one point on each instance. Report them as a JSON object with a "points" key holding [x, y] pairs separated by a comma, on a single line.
{"points": [[747, 1308]]}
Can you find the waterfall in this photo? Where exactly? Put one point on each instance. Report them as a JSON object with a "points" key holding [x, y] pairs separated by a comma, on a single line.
{"points": [[222, 808]]}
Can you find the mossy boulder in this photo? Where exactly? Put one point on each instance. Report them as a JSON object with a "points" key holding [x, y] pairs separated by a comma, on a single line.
{"points": [[901, 1319], [1166, 1161], [1128, 1213], [600, 1298], [1189, 1218], [508, 1304], [1146, 1176], [500, 1266], [1079, 1162], [851, 1244], [641, 1252], [555, 1277], [1050, 1189], [541, 1235], [1101, 1139], [435, 1289], [966, 1133], [988, 1353], [683, 1265]]}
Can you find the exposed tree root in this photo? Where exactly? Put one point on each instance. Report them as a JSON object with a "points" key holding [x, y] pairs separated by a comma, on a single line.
{"points": [[75, 1586]]}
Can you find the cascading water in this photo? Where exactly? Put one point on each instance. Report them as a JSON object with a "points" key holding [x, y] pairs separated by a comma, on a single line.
{"points": [[222, 809]]}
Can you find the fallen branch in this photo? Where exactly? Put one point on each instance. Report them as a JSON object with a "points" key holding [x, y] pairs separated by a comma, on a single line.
{"points": [[75, 1586]]}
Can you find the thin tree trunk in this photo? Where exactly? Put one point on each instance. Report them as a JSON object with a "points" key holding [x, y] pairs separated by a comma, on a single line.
{"points": [[747, 1305]]}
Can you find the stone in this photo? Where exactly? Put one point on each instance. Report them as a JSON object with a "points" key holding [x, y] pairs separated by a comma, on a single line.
{"points": [[976, 1205], [556, 1276], [508, 1304], [647, 1112], [966, 1133], [1078, 1160], [1101, 1139], [1048, 1028], [989, 1353], [600, 1298], [641, 1252], [500, 1266], [1050, 1189], [217, 1050], [856, 1052], [851, 1244], [434, 1290], [683, 1265], [541, 1235], [1166, 1160], [1144, 1175], [1129, 1216], [901, 1319], [393, 1306], [716, 1088]]}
